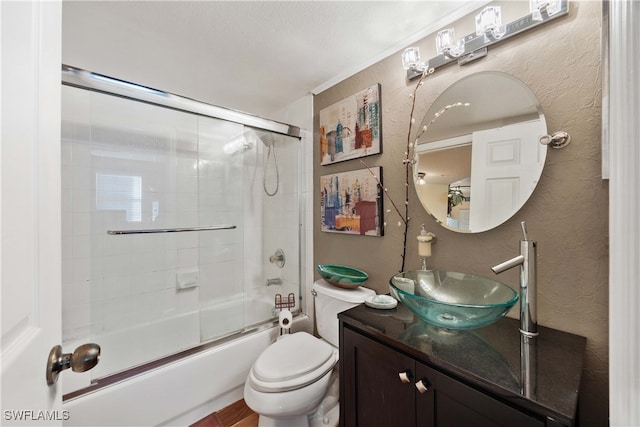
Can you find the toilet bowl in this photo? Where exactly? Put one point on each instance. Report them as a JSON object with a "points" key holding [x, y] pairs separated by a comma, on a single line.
{"points": [[280, 385], [289, 382]]}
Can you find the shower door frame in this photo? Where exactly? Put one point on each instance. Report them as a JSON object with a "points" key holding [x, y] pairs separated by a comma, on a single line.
{"points": [[87, 80], [83, 79]]}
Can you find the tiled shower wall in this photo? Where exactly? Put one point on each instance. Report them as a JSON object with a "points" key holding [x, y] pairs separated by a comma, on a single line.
{"points": [[121, 172]]}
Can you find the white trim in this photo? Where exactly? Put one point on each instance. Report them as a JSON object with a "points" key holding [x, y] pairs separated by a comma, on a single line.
{"points": [[459, 13], [624, 211]]}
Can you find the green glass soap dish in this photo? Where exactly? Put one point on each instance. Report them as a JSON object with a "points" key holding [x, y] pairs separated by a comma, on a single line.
{"points": [[342, 276]]}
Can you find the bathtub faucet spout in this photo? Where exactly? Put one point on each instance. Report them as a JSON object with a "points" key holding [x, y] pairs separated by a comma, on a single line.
{"points": [[276, 281]]}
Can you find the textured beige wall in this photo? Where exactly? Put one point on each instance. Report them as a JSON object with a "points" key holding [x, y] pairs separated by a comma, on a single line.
{"points": [[567, 214]]}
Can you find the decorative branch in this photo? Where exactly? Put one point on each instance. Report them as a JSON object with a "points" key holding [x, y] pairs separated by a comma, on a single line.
{"points": [[384, 189], [409, 160], [437, 115]]}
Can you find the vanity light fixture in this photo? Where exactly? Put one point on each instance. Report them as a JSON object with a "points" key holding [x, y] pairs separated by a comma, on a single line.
{"points": [[538, 8], [489, 23], [411, 61], [410, 57], [446, 43], [489, 30]]}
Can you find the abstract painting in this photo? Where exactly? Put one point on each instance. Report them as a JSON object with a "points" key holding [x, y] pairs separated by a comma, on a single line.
{"points": [[351, 127], [351, 202]]}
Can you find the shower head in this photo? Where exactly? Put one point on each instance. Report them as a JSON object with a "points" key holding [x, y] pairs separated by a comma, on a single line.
{"points": [[265, 136], [237, 146], [247, 140]]}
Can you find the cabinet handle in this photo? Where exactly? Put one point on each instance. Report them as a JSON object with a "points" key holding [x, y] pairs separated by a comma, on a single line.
{"points": [[421, 387], [404, 377]]}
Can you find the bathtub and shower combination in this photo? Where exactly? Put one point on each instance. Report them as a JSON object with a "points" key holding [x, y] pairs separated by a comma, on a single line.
{"points": [[181, 223]]}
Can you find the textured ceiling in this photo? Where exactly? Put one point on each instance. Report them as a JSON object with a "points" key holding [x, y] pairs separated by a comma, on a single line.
{"points": [[253, 56]]}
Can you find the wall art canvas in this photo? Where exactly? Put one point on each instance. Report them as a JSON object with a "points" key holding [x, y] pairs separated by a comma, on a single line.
{"points": [[351, 202], [351, 127]]}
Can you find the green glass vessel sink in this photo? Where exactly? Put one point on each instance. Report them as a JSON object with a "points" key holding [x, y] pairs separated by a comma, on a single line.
{"points": [[453, 300], [342, 276]]}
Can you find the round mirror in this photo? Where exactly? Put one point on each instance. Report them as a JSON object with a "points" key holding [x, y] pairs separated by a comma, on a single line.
{"points": [[480, 158]]}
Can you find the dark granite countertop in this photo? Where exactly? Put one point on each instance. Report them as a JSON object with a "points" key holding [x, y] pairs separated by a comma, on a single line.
{"points": [[488, 358]]}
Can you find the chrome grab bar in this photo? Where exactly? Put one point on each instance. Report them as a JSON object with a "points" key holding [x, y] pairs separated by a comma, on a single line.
{"points": [[172, 230]]}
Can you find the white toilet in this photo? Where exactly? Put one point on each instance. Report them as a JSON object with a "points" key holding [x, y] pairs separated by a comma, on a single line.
{"points": [[290, 379]]}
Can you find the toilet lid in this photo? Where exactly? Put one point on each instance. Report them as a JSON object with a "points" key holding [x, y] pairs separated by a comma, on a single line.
{"points": [[292, 357], [293, 362]]}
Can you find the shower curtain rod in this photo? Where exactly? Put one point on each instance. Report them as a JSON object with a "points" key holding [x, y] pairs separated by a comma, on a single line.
{"points": [[76, 77]]}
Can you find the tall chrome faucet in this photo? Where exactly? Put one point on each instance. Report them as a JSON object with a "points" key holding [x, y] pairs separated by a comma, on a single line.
{"points": [[528, 287]]}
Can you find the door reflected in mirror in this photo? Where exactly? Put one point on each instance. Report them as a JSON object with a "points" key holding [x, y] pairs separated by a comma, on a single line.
{"points": [[478, 165]]}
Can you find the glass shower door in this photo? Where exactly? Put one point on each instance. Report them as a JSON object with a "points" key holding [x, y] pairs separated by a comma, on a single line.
{"points": [[130, 166], [138, 181]]}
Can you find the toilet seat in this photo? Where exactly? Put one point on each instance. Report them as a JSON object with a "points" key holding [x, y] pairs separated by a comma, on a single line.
{"points": [[291, 363]]}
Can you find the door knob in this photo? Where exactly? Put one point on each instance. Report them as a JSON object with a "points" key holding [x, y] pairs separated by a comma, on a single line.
{"points": [[82, 359], [404, 376], [422, 388]]}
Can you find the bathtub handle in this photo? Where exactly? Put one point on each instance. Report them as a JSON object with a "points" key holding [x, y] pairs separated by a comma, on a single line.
{"points": [[82, 359], [278, 258]]}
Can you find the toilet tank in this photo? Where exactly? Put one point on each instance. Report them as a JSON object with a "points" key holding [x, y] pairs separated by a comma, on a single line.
{"points": [[331, 300]]}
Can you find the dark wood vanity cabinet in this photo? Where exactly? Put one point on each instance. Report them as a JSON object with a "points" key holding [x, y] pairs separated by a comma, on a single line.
{"points": [[397, 371], [383, 387], [369, 378]]}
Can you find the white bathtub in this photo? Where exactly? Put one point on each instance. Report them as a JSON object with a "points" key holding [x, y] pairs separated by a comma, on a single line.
{"points": [[183, 391]]}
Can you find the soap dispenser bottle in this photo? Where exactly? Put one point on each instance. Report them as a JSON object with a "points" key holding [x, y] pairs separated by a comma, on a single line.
{"points": [[425, 239]]}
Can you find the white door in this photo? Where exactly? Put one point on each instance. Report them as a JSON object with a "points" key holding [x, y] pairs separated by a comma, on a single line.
{"points": [[505, 168], [30, 211]]}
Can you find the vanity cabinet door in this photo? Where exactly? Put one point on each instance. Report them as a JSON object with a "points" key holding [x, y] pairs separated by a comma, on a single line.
{"points": [[450, 403], [372, 391]]}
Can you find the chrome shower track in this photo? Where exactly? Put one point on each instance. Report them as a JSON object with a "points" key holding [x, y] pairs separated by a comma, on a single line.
{"points": [[76, 77]]}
